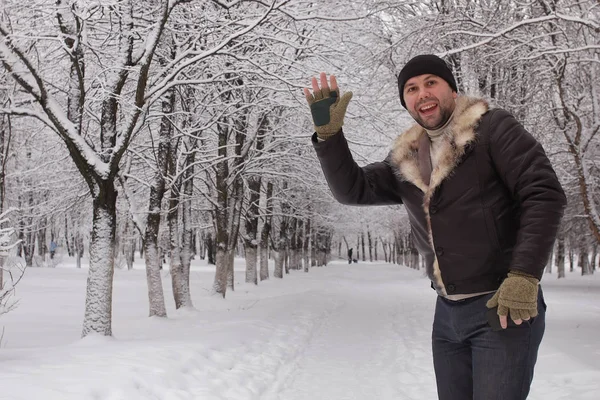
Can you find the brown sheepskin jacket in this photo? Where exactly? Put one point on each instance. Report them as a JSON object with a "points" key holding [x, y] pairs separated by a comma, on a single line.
{"points": [[493, 204]]}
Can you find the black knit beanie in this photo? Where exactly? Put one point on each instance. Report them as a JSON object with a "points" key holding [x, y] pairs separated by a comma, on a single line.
{"points": [[425, 64]]}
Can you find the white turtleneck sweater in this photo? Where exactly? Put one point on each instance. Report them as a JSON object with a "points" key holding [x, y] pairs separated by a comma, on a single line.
{"points": [[437, 138]]}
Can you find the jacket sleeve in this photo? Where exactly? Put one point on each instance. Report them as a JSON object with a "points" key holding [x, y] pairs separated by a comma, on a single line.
{"points": [[373, 184], [527, 173]]}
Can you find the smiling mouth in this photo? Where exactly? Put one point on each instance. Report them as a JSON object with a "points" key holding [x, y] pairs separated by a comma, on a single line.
{"points": [[428, 109]]}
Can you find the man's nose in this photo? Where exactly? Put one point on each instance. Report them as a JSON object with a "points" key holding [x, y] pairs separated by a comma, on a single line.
{"points": [[424, 93]]}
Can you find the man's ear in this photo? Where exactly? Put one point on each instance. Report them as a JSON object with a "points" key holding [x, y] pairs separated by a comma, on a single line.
{"points": [[454, 95]]}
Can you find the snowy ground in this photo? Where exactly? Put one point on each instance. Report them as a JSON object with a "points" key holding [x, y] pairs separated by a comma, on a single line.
{"points": [[340, 332]]}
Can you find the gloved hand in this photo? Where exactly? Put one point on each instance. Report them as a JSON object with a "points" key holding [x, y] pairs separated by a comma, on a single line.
{"points": [[326, 106], [516, 296]]}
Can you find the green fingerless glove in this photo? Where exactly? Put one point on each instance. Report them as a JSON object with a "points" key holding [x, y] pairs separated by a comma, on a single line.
{"points": [[328, 111], [516, 296]]}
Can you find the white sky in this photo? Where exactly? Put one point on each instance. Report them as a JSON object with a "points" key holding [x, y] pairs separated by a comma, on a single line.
{"points": [[341, 332]]}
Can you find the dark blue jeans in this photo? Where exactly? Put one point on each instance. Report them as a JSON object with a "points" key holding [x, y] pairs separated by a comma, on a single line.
{"points": [[473, 362]]}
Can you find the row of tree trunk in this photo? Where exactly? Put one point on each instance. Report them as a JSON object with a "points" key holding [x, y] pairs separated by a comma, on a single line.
{"points": [[575, 253]]}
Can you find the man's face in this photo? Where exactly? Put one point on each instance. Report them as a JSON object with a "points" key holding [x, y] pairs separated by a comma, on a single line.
{"points": [[429, 100]]}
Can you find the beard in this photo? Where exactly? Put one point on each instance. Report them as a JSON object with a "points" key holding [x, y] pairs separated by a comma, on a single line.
{"points": [[444, 113]]}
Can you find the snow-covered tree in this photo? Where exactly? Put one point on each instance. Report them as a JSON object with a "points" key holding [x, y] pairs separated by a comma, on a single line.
{"points": [[106, 53], [10, 275]]}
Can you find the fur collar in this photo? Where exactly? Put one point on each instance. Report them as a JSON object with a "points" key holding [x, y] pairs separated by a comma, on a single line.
{"points": [[404, 156], [463, 127]]}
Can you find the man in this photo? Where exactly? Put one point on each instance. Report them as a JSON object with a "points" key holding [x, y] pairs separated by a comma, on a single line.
{"points": [[484, 206]]}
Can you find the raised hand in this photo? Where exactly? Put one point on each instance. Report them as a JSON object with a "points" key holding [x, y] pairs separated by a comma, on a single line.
{"points": [[326, 106]]}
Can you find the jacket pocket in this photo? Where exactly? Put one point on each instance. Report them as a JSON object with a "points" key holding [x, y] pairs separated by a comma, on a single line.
{"points": [[490, 225]]}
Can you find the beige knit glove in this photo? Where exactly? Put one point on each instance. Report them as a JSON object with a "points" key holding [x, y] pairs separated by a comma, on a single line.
{"points": [[516, 296], [328, 110]]}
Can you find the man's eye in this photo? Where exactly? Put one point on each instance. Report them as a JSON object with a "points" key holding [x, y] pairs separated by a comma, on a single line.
{"points": [[410, 89]]}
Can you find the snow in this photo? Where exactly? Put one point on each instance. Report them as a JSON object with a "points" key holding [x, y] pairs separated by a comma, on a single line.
{"points": [[359, 331], [27, 75]]}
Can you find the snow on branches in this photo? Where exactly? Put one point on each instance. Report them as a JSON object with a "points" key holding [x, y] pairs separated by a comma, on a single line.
{"points": [[7, 289]]}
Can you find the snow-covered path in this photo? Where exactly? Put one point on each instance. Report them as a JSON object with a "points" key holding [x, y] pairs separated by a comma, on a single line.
{"points": [[359, 351], [340, 332]]}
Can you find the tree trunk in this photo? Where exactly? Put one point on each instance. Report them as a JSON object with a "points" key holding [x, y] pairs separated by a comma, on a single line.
{"points": [[179, 284], [221, 212], [291, 249], [4, 141], [389, 248], [29, 248], [129, 240], [296, 245], [414, 253], [230, 269], [226, 213], [98, 301], [68, 243], [153, 260], [193, 240], [211, 249], [282, 243], [221, 271], [286, 259], [220, 283], [322, 244], [266, 233], [26, 235], [235, 213], [41, 239], [571, 256], [314, 248], [251, 259], [292, 253], [251, 223], [141, 247], [549, 263], [594, 256], [370, 244], [299, 245], [414, 260], [131, 257], [401, 254], [559, 259], [153, 256], [188, 232], [583, 262], [278, 271], [201, 246], [362, 242], [252, 220], [2, 263], [306, 239], [79, 249], [228, 185], [181, 294], [129, 249]]}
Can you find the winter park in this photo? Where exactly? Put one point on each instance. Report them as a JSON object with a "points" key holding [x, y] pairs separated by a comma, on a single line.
{"points": [[298, 200]]}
